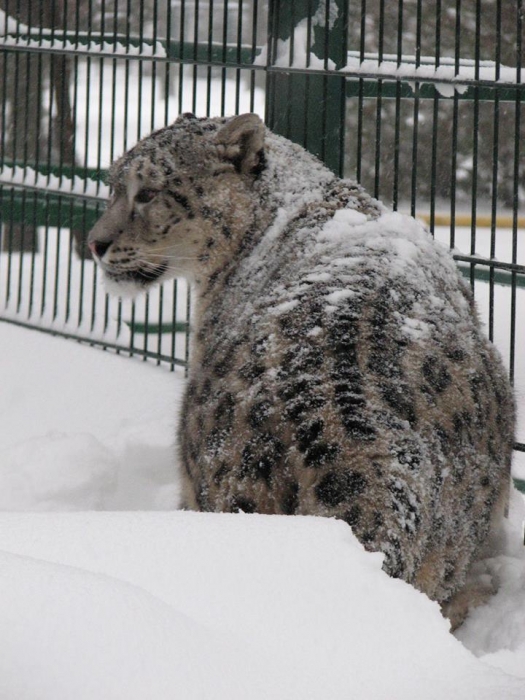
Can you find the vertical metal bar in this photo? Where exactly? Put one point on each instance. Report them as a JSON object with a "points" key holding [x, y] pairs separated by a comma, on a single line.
{"points": [[127, 67], [77, 19], [397, 123], [379, 103], [415, 143], [188, 321], [182, 52], [433, 161], [139, 134], [309, 40], [10, 249], [495, 164], [87, 112], [106, 314], [438, 34], [457, 38], [174, 326], [435, 123], [291, 41], [94, 288], [75, 87], [39, 108], [113, 116], [139, 66], [360, 102], [153, 65], [209, 71], [33, 258], [119, 319], [21, 252], [238, 55], [86, 163], [23, 155], [415, 132], [195, 69], [324, 103], [101, 114], [28, 107], [132, 330], [271, 42], [113, 88], [475, 141], [6, 65], [45, 246], [56, 286], [453, 175], [516, 188], [69, 268], [146, 326], [113, 136], [167, 65], [253, 73], [224, 43], [455, 120], [291, 49], [60, 89], [51, 113], [17, 82], [160, 315], [81, 281]]}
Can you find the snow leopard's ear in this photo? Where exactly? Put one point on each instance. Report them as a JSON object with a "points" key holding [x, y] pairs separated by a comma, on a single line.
{"points": [[241, 141]]}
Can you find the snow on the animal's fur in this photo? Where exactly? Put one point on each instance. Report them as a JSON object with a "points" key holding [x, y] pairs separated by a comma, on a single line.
{"points": [[396, 416]]}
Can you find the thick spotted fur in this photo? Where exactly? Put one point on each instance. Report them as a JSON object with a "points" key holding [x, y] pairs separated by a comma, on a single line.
{"points": [[338, 366]]}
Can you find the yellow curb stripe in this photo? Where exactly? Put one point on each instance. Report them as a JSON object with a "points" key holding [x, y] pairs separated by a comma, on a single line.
{"points": [[482, 220]]}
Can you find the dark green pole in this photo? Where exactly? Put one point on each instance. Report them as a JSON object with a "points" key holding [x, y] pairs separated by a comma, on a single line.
{"points": [[306, 107]]}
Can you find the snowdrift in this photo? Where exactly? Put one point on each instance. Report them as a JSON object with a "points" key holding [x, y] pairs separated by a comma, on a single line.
{"points": [[167, 605]]}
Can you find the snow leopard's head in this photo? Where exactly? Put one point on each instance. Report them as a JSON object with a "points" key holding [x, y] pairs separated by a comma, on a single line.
{"points": [[180, 197]]}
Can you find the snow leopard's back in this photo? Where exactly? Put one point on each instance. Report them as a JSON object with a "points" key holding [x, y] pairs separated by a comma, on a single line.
{"points": [[338, 366]]}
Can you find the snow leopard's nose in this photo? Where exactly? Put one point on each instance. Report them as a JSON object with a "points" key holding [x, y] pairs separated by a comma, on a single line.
{"points": [[98, 248]]}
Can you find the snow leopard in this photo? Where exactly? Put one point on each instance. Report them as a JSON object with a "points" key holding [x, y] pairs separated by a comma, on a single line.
{"points": [[338, 365]]}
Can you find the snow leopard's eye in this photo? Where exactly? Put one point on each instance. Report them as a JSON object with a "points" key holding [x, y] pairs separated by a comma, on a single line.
{"points": [[145, 195]]}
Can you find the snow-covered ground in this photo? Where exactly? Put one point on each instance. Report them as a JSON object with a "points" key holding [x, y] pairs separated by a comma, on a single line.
{"points": [[81, 429], [136, 604]]}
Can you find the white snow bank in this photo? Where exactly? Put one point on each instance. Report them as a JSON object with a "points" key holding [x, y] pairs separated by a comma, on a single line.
{"points": [[181, 605], [81, 429], [186, 605], [77, 635], [496, 631]]}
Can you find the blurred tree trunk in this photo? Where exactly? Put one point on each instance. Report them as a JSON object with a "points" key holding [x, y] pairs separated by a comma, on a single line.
{"points": [[20, 131], [22, 90]]}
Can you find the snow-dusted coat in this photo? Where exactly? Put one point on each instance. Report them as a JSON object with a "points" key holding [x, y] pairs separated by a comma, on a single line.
{"points": [[338, 365]]}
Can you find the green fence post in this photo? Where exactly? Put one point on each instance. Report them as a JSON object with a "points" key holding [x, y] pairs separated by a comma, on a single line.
{"points": [[305, 106]]}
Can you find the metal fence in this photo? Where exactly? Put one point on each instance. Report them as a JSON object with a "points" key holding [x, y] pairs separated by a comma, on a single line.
{"points": [[420, 101]]}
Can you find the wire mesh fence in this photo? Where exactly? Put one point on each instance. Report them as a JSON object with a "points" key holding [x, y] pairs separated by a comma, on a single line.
{"points": [[80, 83], [419, 101]]}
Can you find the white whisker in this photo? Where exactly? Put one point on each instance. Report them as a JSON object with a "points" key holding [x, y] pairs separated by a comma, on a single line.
{"points": [[172, 257]]}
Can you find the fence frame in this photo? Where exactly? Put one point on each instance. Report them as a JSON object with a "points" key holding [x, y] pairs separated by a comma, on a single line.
{"points": [[324, 87]]}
